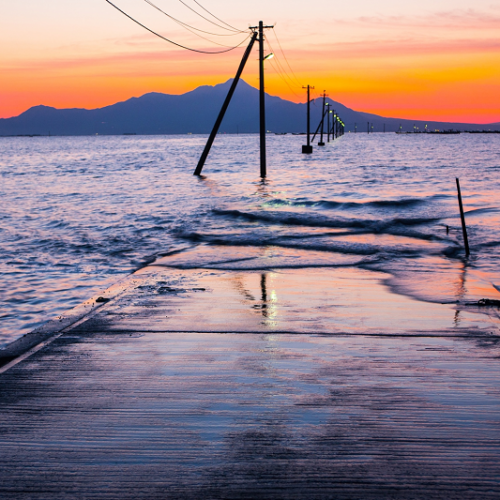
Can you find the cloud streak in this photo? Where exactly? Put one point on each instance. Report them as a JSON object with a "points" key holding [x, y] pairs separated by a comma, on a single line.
{"points": [[450, 20]]}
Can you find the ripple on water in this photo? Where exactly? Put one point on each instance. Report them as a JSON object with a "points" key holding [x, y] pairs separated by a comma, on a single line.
{"points": [[78, 212]]}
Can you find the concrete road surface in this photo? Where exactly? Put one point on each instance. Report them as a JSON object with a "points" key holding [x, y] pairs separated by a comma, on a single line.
{"points": [[243, 385]]}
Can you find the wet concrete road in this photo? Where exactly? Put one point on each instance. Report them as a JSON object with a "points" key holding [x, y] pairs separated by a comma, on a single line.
{"points": [[109, 410]]}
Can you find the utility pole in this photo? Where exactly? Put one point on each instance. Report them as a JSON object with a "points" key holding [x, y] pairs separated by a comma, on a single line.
{"points": [[328, 111], [308, 149], [262, 102], [368, 127], [222, 112], [321, 143], [334, 117]]}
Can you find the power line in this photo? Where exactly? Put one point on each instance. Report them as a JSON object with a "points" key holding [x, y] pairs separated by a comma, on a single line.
{"points": [[171, 41], [191, 28], [281, 72], [206, 19], [282, 68], [284, 56], [284, 75], [188, 26], [278, 72], [279, 63], [215, 17]]}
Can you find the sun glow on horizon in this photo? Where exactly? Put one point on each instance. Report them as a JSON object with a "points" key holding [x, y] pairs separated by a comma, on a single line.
{"points": [[430, 65]]}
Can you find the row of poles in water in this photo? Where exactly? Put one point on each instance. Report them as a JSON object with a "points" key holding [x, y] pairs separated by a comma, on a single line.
{"points": [[336, 129], [329, 118]]}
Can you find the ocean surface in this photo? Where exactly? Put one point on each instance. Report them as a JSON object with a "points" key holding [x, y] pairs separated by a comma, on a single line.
{"points": [[78, 213]]}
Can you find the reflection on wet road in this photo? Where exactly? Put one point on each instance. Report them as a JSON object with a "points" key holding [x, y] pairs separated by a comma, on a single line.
{"points": [[129, 415]]}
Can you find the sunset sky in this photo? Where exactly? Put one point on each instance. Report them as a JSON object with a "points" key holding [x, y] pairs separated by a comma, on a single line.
{"points": [[435, 60]]}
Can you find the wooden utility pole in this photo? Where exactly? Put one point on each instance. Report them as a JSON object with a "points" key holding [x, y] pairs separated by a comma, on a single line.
{"points": [[262, 99], [308, 149], [262, 103], [258, 33], [328, 111], [222, 112], [321, 143]]}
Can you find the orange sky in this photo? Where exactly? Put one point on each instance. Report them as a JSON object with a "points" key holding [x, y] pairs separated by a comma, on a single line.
{"points": [[429, 64]]}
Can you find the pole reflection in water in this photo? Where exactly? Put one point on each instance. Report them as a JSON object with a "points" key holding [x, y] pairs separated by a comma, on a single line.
{"points": [[460, 291], [263, 289], [262, 188], [269, 305]]}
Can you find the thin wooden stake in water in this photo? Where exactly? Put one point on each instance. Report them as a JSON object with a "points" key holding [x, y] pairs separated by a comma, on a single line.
{"points": [[464, 228]]}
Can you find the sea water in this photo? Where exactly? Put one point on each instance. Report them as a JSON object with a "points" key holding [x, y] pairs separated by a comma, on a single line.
{"points": [[78, 213]]}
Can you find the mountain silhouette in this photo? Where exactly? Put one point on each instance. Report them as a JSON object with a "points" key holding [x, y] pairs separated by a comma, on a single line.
{"points": [[195, 112]]}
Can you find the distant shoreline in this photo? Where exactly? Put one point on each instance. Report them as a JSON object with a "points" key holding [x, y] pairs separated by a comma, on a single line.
{"points": [[133, 134]]}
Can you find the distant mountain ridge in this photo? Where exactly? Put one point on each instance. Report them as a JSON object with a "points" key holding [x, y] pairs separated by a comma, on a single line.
{"points": [[195, 112]]}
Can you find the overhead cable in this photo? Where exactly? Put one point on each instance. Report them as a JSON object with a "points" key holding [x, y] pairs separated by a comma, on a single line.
{"points": [[215, 17], [279, 73], [283, 70], [171, 41], [209, 20], [284, 56], [190, 28]]}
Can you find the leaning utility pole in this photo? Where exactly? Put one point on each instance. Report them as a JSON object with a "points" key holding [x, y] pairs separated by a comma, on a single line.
{"points": [[260, 35], [308, 149], [222, 112]]}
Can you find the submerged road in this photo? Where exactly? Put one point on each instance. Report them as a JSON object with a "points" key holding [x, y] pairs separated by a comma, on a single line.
{"points": [[286, 385]]}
